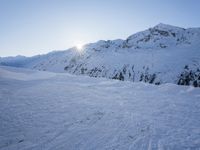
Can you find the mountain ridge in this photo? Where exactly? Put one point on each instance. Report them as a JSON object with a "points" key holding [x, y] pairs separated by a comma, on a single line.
{"points": [[161, 54]]}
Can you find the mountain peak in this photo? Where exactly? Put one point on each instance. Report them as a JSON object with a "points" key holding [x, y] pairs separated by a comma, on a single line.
{"points": [[166, 26], [161, 54]]}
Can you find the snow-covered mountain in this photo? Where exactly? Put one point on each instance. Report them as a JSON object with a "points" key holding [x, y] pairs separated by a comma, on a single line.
{"points": [[162, 54]]}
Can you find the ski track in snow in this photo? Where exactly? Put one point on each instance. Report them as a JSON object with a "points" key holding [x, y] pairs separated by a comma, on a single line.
{"points": [[54, 111]]}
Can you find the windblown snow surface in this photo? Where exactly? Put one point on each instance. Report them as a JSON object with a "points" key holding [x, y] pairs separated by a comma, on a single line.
{"points": [[55, 111]]}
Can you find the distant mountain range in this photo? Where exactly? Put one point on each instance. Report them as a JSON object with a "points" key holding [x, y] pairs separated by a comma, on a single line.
{"points": [[162, 54]]}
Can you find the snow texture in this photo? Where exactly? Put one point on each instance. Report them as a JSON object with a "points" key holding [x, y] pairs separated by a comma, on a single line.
{"points": [[56, 111]]}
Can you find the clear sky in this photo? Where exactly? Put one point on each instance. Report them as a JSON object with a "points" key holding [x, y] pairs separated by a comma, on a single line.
{"points": [[29, 27]]}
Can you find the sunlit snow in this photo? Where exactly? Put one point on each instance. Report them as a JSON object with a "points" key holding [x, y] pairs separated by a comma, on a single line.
{"points": [[55, 111]]}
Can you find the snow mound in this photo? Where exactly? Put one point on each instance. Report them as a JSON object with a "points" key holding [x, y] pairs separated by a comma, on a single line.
{"points": [[12, 73]]}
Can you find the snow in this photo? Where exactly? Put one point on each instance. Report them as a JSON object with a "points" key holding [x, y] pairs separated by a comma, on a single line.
{"points": [[25, 76], [162, 50], [56, 111]]}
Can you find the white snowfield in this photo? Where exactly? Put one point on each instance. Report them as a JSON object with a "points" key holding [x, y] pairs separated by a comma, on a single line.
{"points": [[55, 111]]}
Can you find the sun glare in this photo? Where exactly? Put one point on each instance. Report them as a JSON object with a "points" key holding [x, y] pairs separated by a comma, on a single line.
{"points": [[79, 47]]}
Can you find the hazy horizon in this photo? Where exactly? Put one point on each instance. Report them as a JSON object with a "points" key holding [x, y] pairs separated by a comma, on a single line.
{"points": [[36, 27]]}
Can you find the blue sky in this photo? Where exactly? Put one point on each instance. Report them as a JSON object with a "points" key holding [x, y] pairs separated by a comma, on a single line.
{"points": [[29, 27]]}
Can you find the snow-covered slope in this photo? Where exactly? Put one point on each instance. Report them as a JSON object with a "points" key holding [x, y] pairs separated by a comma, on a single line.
{"points": [[162, 54], [54, 111]]}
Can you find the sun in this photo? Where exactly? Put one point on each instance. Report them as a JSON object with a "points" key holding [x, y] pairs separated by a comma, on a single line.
{"points": [[79, 47]]}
